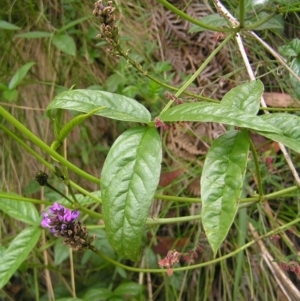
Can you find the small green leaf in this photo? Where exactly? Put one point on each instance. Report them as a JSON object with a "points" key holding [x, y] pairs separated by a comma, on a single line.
{"points": [[17, 252], [116, 106], [129, 179], [245, 97], [97, 294], [275, 23], [213, 112], [128, 289], [213, 19], [289, 125], [295, 66], [65, 43], [3, 87], [291, 49], [61, 252], [8, 26], [73, 23], [19, 75], [10, 95], [34, 35], [22, 211], [221, 184], [67, 128], [69, 299]]}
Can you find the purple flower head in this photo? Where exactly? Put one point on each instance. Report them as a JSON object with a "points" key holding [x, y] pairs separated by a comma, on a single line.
{"points": [[58, 219]]}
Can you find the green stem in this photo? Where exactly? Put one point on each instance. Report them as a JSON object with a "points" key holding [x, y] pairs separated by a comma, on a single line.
{"points": [[59, 192], [140, 68], [202, 67], [200, 265], [205, 63], [12, 120], [242, 13], [279, 109], [269, 196], [25, 146], [192, 20], [258, 174], [15, 197], [45, 163], [260, 22], [288, 9]]}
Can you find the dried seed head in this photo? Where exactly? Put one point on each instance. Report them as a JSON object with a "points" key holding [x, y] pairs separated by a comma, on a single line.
{"points": [[42, 178]]}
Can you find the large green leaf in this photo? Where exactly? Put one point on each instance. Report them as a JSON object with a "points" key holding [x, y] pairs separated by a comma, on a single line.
{"points": [[116, 106], [130, 176], [17, 252], [245, 97], [213, 112], [19, 75], [289, 125], [221, 184], [22, 211]]}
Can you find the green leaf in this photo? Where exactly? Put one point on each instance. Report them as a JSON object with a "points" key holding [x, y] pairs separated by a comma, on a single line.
{"points": [[295, 66], [130, 176], [275, 23], [221, 184], [22, 211], [8, 26], [213, 19], [35, 35], [69, 299], [65, 43], [213, 112], [128, 289], [10, 95], [97, 294], [117, 106], [61, 252], [245, 97], [73, 23], [19, 75], [17, 252], [291, 49], [289, 125], [3, 87], [67, 128]]}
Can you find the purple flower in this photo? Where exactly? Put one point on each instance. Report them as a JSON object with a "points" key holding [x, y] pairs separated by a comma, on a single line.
{"points": [[59, 219]]}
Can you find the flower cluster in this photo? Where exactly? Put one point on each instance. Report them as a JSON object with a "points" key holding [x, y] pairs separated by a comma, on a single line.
{"points": [[62, 222], [174, 256], [174, 98], [171, 259], [108, 29], [165, 126], [291, 266]]}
